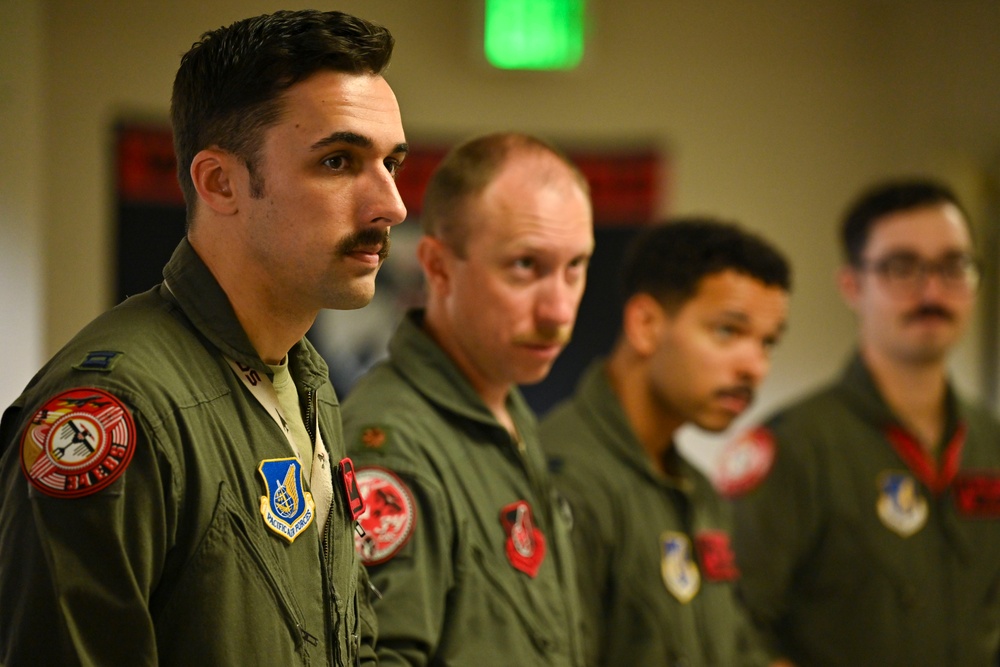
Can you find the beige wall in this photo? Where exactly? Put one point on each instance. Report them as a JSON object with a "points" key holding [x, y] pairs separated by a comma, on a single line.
{"points": [[774, 112]]}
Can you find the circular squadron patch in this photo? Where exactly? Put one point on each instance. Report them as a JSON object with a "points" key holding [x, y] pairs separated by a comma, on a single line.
{"points": [[388, 518], [79, 442], [745, 463]]}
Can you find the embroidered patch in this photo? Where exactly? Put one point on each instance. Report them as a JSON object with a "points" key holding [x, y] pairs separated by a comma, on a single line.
{"points": [[718, 562], [745, 462], [388, 517], [287, 507], [78, 443], [103, 360], [978, 494], [525, 545], [680, 574], [900, 505], [356, 504], [373, 437]]}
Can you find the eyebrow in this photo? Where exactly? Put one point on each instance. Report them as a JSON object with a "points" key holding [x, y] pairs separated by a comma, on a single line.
{"points": [[353, 139]]}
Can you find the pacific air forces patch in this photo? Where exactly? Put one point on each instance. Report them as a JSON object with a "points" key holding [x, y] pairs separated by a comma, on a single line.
{"points": [[745, 462], [388, 517], [79, 442], [677, 566], [286, 506], [901, 506]]}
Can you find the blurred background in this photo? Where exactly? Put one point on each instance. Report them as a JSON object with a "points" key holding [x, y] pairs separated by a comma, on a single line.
{"points": [[773, 113]]}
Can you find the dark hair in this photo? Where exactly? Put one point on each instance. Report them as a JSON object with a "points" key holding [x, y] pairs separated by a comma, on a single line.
{"points": [[668, 260], [228, 89], [884, 198], [466, 171]]}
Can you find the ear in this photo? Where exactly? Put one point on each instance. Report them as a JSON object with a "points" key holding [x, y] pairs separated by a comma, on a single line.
{"points": [[849, 283], [435, 259], [214, 174], [643, 319]]}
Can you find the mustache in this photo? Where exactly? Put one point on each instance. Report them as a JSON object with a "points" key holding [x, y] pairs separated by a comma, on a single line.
{"points": [[365, 239], [930, 310], [741, 391], [547, 337]]}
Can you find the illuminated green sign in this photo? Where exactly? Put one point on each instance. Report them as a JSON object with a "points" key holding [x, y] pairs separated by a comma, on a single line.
{"points": [[534, 34]]}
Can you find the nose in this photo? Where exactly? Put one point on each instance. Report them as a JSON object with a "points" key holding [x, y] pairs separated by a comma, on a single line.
{"points": [[558, 300], [386, 206], [755, 362]]}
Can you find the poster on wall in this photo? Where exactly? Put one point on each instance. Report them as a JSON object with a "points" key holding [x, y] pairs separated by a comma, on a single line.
{"points": [[628, 189]]}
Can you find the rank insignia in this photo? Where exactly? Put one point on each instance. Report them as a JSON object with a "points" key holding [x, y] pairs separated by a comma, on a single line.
{"points": [[78, 443], [287, 507], [373, 437], [680, 574], [388, 517], [716, 556], [900, 505], [745, 463], [525, 544]]}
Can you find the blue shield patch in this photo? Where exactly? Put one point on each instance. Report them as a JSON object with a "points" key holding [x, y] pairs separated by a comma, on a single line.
{"points": [[677, 566], [287, 507]]}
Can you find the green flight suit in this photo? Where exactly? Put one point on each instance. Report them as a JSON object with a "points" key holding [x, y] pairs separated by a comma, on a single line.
{"points": [[851, 555], [655, 570], [454, 594], [172, 563]]}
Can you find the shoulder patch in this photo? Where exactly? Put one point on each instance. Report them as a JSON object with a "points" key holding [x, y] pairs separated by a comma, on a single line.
{"points": [[745, 462], [77, 443], [388, 518]]}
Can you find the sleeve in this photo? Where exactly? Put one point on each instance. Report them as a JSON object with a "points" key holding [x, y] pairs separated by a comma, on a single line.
{"points": [[776, 524], [77, 572], [409, 558]]}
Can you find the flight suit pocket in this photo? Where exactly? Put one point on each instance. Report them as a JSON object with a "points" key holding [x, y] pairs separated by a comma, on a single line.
{"points": [[232, 581]]}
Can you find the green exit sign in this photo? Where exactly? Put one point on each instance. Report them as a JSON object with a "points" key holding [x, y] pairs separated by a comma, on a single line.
{"points": [[534, 34]]}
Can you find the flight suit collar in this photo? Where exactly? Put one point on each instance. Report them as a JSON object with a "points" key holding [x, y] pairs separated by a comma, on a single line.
{"points": [[189, 283], [600, 405], [422, 362], [859, 386]]}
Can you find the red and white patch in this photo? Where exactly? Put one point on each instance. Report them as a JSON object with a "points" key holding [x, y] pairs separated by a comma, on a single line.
{"points": [[388, 517], [745, 462], [525, 545], [718, 563], [78, 443]]}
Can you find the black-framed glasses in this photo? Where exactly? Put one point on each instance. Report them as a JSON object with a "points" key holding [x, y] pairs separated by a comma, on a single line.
{"points": [[908, 272]]}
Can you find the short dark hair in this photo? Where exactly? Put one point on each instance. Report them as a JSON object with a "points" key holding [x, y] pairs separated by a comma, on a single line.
{"points": [[888, 197], [466, 171], [668, 260], [228, 89]]}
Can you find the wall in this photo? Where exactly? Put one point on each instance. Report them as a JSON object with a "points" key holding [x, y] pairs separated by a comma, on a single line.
{"points": [[774, 112]]}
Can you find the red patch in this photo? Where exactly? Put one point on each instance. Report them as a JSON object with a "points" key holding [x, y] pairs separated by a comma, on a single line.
{"points": [[978, 495], [745, 463], [717, 560], [78, 443], [388, 517], [525, 543], [373, 437]]}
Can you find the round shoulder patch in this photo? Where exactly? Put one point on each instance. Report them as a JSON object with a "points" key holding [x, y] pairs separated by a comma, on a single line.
{"points": [[745, 462], [389, 515], [78, 443]]}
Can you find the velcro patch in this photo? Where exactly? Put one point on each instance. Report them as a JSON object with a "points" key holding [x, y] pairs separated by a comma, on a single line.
{"points": [[718, 563], [525, 545], [79, 442], [745, 463], [978, 494], [388, 517]]}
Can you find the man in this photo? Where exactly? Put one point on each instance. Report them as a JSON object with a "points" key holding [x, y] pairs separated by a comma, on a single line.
{"points": [[462, 534], [869, 530], [705, 302], [174, 486]]}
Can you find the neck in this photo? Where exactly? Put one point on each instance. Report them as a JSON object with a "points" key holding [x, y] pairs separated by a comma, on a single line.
{"points": [[271, 326], [652, 424], [914, 392]]}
